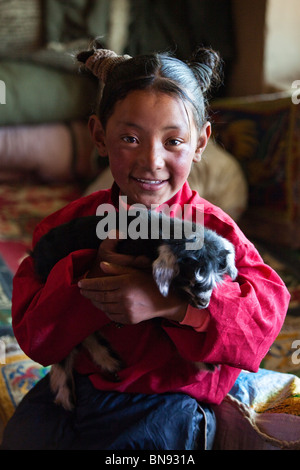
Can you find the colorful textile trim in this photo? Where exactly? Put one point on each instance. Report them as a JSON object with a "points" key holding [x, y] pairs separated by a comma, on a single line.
{"points": [[18, 374]]}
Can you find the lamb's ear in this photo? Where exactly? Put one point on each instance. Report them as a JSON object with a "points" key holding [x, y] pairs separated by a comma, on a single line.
{"points": [[164, 269], [230, 260]]}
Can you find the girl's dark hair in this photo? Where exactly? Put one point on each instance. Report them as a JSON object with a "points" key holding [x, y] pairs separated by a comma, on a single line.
{"points": [[162, 72]]}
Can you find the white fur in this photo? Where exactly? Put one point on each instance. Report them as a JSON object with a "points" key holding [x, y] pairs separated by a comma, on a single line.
{"points": [[205, 297], [164, 269], [59, 382], [231, 268], [198, 276]]}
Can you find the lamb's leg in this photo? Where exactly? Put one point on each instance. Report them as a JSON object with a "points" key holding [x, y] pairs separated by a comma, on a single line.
{"points": [[103, 354], [62, 382]]}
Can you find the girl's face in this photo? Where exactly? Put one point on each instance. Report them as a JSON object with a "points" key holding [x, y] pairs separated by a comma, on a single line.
{"points": [[151, 141]]}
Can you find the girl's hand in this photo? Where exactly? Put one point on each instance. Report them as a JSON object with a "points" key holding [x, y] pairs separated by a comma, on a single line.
{"points": [[125, 290], [107, 252]]}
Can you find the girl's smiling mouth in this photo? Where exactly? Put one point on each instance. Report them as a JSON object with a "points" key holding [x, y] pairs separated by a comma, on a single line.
{"points": [[150, 184]]}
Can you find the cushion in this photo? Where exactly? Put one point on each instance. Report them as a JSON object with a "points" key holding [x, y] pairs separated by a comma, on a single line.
{"points": [[53, 152], [44, 94], [261, 412], [220, 179], [262, 133]]}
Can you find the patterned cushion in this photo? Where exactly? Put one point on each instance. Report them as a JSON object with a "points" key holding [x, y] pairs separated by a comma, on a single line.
{"points": [[263, 134]]}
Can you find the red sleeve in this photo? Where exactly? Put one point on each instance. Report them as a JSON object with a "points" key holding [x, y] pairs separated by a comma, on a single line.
{"points": [[245, 317], [47, 319]]}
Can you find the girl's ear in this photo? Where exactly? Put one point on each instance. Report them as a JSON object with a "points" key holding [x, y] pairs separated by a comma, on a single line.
{"points": [[98, 134], [202, 141]]}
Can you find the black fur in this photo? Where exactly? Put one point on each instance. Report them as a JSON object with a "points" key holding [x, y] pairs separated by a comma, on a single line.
{"points": [[80, 233]]}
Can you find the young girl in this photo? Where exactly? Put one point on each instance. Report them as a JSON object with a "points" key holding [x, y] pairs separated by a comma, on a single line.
{"points": [[151, 122]]}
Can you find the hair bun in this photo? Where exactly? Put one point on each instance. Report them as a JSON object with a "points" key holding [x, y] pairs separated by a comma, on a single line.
{"points": [[206, 65], [83, 56], [100, 61]]}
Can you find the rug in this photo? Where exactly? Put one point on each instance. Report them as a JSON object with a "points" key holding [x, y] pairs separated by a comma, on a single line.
{"points": [[22, 207]]}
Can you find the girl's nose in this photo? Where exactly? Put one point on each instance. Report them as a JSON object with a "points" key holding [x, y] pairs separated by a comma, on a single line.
{"points": [[152, 157]]}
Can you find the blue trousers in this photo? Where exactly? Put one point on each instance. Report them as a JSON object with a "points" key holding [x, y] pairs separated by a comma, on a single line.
{"points": [[109, 421]]}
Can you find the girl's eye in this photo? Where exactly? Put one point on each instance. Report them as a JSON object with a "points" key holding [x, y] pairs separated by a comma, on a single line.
{"points": [[174, 142], [129, 139]]}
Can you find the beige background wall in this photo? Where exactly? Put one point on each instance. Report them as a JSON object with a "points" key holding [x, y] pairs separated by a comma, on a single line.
{"points": [[282, 46]]}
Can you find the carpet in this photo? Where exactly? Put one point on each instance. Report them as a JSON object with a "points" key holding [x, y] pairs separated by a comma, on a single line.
{"points": [[22, 207]]}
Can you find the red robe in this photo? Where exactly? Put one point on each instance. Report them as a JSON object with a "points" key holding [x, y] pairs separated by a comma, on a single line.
{"points": [[236, 331]]}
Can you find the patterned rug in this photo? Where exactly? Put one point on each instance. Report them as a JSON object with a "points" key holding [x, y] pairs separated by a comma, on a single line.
{"points": [[22, 207]]}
